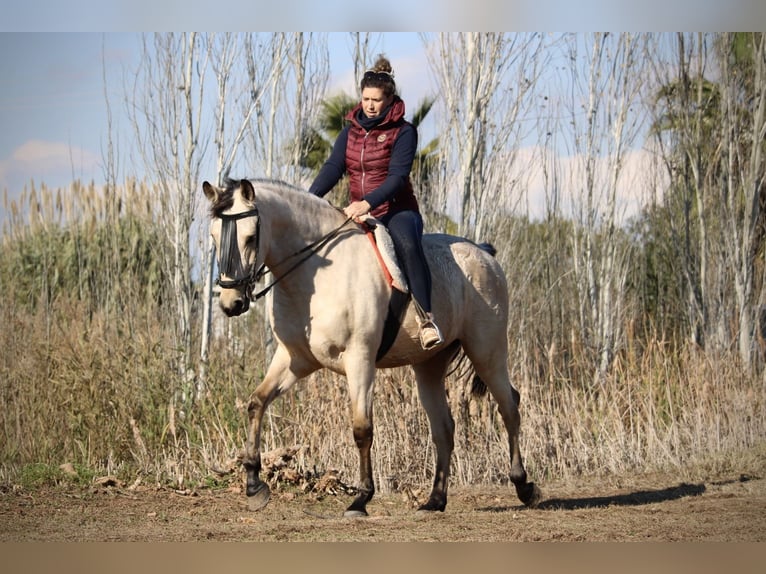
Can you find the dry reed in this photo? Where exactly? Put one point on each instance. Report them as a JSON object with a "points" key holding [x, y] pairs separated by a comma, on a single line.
{"points": [[89, 382]]}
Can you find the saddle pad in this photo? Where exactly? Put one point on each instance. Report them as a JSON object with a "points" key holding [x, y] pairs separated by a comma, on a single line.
{"points": [[385, 247]]}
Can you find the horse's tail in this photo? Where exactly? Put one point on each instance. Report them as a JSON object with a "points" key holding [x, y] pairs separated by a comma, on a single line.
{"points": [[478, 387], [488, 247], [463, 369]]}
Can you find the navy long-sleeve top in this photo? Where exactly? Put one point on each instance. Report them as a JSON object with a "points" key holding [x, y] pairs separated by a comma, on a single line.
{"points": [[400, 165]]}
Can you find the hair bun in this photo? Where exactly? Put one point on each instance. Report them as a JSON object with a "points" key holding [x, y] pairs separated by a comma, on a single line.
{"points": [[383, 65]]}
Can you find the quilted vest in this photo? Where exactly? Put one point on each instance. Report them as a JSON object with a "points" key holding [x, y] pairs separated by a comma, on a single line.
{"points": [[367, 158]]}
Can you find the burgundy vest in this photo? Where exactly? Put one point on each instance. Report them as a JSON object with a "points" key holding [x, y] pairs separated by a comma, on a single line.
{"points": [[367, 158]]}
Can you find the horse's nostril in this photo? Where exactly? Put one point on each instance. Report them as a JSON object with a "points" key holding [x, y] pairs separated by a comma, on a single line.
{"points": [[236, 307]]}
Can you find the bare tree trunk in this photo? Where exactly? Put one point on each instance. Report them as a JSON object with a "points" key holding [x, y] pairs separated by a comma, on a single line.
{"points": [[297, 58], [714, 153], [485, 80], [699, 302], [228, 63], [166, 114], [757, 182], [611, 86], [744, 133], [310, 68]]}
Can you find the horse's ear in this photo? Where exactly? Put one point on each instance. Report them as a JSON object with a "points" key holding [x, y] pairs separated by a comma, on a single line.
{"points": [[248, 193], [210, 191]]}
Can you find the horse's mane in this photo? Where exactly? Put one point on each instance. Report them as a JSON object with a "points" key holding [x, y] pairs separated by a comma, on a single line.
{"points": [[293, 193]]}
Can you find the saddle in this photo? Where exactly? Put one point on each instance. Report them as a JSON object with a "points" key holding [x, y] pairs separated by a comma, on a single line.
{"points": [[383, 246]]}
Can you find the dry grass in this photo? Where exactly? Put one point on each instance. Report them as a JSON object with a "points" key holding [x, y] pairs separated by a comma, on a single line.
{"points": [[85, 378]]}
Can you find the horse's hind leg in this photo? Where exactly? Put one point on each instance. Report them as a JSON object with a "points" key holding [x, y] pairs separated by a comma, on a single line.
{"points": [[527, 491], [433, 396], [278, 379], [492, 368]]}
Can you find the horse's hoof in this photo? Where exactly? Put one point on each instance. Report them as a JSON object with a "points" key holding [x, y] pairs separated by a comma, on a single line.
{"points": [[437, 502], [355, 514], [530, 495], [259, 499]]}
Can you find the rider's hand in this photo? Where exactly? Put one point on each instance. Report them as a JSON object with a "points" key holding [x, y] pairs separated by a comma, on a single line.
{"points": [[356, 209]]}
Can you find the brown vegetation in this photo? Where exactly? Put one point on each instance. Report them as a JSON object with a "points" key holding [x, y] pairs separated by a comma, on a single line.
{"points": [[85, 379]]}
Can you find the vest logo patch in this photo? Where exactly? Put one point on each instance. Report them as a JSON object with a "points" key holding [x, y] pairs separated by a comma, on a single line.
{"points": [[382, 137]]}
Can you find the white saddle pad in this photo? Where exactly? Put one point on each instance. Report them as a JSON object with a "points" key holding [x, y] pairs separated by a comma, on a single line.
{"points": [[387, 253]]}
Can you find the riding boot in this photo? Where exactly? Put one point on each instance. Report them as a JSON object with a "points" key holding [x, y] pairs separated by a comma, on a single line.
{"points": [[430, 335]]}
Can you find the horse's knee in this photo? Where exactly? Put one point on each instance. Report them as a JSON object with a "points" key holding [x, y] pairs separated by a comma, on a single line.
{"points": [[259, 399], [253, 407], [363, 434]]}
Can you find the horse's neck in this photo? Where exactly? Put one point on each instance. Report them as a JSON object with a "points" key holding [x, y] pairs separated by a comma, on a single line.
{"points": [[296, 222]]}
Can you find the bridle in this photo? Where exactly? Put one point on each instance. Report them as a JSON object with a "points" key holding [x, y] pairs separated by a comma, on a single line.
{"points": [[229, 247], [248, 281]]}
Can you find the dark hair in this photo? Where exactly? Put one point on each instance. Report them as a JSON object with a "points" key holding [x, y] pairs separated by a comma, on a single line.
{"points": [[381, 75]]}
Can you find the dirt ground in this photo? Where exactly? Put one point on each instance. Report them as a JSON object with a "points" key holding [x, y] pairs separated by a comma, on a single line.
{"points": [[729, 508]]}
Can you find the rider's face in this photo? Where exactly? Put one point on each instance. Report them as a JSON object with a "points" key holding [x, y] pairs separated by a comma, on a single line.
{"points": [[374, 101]]}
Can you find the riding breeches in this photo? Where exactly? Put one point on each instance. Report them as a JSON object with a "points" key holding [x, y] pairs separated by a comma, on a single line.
{"points": [[406, 230]]}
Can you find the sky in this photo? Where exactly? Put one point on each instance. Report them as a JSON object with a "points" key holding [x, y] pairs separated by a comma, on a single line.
{"points": [[401, 15], [55, 56], [53, 105]]}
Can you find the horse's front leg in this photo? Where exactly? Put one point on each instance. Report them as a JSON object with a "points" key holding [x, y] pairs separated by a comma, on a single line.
{"points": [[278, 379], [361, 378]]}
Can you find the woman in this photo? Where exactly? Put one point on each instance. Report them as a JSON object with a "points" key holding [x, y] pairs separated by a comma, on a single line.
{"points": [[377, 149]]}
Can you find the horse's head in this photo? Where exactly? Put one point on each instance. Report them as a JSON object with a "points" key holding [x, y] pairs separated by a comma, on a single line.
{"points": [[235, 226]]}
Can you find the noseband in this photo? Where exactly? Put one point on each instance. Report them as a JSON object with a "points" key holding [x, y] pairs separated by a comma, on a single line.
{"points": [[229, 248]]}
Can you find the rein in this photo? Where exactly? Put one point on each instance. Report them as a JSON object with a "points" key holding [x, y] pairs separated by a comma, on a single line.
{"points": [[229, 239], [310, 250]]}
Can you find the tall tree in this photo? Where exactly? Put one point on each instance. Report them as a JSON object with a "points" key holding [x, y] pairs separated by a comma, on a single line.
{"points": [[165, 107], [711, 129], [605, 88], [685, 128], [742, 61], [485, 81], [236, 98]]}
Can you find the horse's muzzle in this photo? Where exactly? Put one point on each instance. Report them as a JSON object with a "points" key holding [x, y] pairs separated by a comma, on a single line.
{"points": [[235, 306]]}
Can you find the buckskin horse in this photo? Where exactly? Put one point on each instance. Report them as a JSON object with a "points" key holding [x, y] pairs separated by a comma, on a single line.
{"points": [[329, 308]]}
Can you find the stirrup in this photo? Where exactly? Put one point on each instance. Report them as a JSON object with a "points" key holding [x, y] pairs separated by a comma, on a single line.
{"points": [[430, 335]]}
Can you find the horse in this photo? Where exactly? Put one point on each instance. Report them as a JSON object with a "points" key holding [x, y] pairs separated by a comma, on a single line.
{"points": [[330, 301]]}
